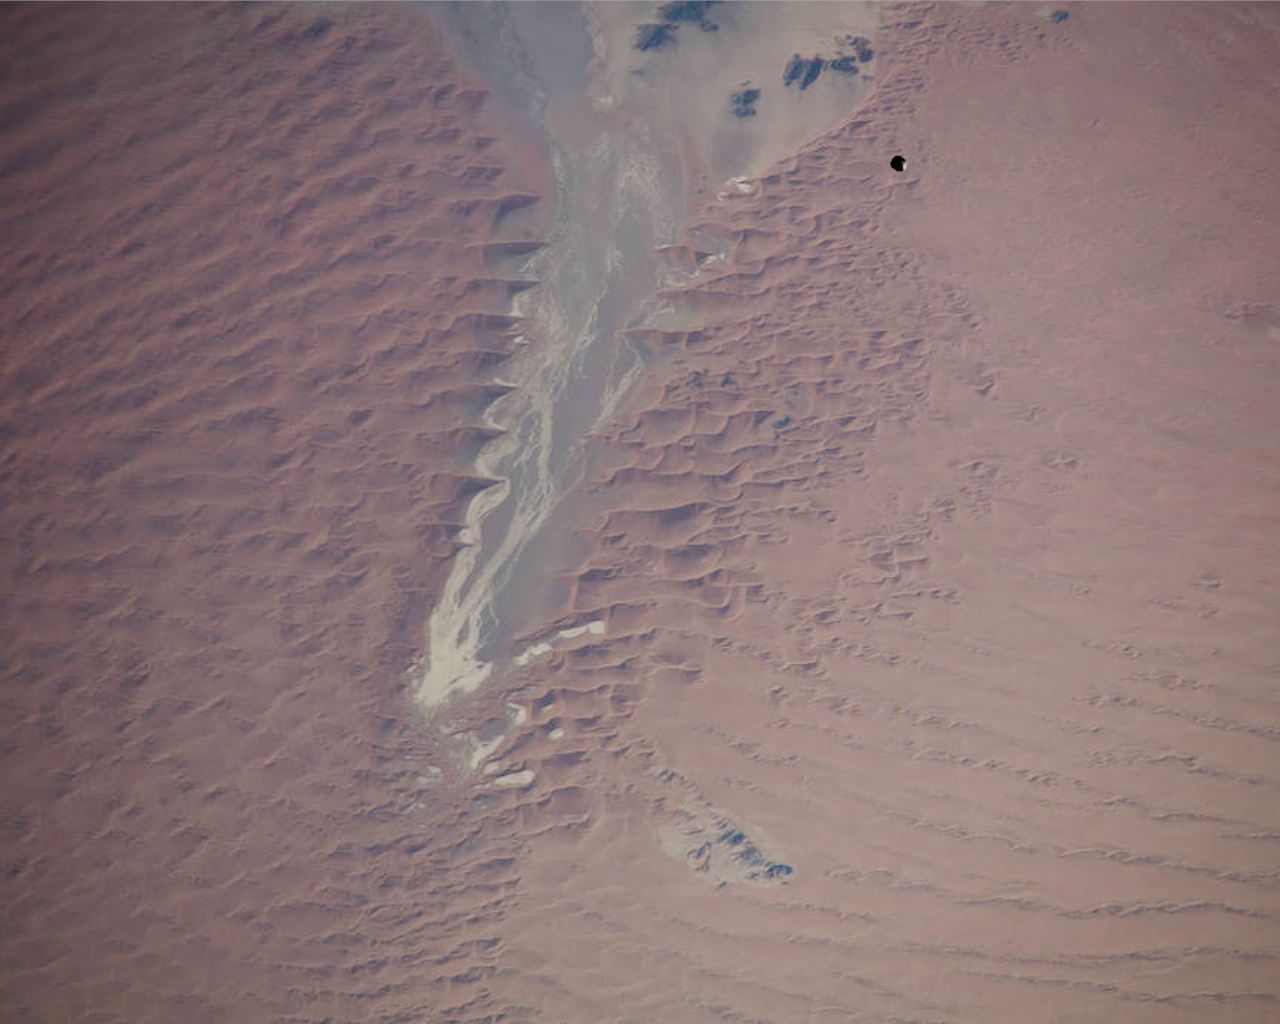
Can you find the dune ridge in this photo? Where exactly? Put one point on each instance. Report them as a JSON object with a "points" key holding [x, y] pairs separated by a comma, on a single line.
{"points": [[937, 549], [922, 664], [258, 264]]}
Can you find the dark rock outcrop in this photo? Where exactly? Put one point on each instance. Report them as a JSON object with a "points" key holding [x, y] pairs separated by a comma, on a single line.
{"points": [[806, 70], [749, 854], [816, 64], [743, 102], [693, 11], [852, 50], [859, 47], [795, 67], [652, 36]]}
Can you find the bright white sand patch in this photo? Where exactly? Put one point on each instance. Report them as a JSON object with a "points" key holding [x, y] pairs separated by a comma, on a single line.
{"points": [[740, 186], [545, 647], [481, 751], [515, 780]]}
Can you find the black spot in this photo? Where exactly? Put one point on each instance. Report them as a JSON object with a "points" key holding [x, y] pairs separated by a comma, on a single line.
{"points": [[897, 163]]}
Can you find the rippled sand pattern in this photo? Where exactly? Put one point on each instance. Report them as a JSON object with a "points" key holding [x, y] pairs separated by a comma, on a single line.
{"points": [[935, 553], [939, 675], [254, 268]]}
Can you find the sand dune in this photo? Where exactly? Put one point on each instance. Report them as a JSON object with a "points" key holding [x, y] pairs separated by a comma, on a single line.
{"points": [[937, 559], [920, 663], [257, 263]]}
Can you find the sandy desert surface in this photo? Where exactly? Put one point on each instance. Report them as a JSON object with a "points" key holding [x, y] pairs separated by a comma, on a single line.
{"points": [[257, 262], [856, 591]]}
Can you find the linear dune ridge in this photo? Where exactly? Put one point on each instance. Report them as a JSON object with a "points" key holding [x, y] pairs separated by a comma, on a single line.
{"points": [[255, 268], [923, 664], [939, 575]]}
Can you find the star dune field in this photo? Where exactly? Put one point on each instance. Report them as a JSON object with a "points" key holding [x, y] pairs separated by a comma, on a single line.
{"points": [[519, 513]]}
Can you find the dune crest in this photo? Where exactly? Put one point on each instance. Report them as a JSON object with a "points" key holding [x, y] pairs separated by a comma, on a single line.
{"points": [[938, 542], [257, 266]]}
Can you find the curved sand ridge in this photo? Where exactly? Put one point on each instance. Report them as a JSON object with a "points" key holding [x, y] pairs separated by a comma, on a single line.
{"points": [[600, 181], [938, 567], [257, 265], [628, 133]]}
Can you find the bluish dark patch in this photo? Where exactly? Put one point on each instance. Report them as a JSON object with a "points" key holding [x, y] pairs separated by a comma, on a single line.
{"points": [[653, 36], [693, 11], [743, 102]]}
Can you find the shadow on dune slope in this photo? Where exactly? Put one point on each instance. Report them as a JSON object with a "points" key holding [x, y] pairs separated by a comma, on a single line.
{"points": [[255, 264]]}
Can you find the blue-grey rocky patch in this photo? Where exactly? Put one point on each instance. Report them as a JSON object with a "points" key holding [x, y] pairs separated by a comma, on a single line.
{"points": [[858, 47], [743, 102], [653, 36], [806, 70], [715, 846], [816, 64], [750, 855], [793, 70], [691, 11]]}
